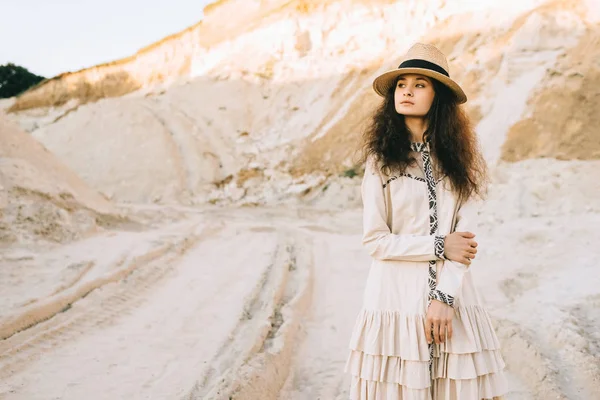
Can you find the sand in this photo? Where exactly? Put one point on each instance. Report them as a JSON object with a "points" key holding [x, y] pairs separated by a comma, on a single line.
{"points": [[42, 198], [292, 113], [259, 303], [190, 228]]}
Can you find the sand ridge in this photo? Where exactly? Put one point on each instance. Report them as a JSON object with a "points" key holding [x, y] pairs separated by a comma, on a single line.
{"points": [[292, 114]]}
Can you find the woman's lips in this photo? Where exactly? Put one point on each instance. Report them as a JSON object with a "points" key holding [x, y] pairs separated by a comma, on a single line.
{"points": [[407, 103]]}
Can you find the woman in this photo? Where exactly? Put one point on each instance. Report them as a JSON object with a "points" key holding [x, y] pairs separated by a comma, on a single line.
{"points": [[423, 332]]}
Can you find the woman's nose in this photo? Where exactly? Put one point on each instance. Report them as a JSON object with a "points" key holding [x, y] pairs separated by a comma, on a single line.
{"points": [[408, 93]]}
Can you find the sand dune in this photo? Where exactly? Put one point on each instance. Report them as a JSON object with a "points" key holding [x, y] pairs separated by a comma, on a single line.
{"points": [[42, 198]]}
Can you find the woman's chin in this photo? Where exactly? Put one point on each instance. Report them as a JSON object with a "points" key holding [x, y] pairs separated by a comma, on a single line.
{"points": [[410, 113], [409, 110]]}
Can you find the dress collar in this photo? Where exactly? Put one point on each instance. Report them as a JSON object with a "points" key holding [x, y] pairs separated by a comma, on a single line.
{"points": [[419, 146]]}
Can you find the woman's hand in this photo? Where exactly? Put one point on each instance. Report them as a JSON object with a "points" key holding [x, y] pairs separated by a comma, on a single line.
{"points": [[460, 247], [438, 322]]}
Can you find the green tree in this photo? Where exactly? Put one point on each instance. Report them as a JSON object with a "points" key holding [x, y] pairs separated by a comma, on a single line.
{"points": [[15, 79]]}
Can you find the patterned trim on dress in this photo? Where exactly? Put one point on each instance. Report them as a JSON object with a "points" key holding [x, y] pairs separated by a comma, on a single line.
{"points": [[441, 296], [439, 247], [434, 294], [418, 147], [403, 174]]}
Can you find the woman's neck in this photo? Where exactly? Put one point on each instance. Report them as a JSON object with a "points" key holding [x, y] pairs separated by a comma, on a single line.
{"points": [[417, 127]]}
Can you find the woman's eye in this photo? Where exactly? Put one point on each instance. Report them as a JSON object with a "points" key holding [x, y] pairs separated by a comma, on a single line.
{"points": [[420, 85]]}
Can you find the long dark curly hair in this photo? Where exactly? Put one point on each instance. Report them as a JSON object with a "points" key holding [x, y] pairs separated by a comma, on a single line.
{"points": [[452, 139]]}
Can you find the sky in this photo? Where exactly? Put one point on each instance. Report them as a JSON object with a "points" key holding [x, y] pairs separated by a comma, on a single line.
{"points": [[51, 37]]}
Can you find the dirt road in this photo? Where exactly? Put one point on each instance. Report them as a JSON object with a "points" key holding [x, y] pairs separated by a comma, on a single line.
{"points": [[259, 304]]}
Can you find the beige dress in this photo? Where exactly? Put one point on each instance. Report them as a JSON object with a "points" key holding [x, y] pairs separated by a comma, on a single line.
{"points": [[389, 355]]}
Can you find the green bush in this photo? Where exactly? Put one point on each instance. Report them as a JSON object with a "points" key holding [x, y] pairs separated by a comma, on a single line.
{"points": [[350, 173], [15, 80]]}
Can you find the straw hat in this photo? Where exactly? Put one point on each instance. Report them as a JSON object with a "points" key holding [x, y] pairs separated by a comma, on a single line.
{"points": [[424, 59]]}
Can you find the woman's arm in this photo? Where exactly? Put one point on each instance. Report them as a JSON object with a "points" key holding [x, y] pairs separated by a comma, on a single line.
{"points": [[451, 275], [381, 243]]}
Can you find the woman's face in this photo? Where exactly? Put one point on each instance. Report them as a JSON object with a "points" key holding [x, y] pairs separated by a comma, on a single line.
{"points": [[414, 95]]}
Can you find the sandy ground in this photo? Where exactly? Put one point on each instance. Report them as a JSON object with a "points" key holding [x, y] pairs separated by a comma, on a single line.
{"points": [[259, 304]]}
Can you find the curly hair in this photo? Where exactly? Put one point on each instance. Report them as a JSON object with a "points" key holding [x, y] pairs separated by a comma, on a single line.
{"points": [[449, 132]]}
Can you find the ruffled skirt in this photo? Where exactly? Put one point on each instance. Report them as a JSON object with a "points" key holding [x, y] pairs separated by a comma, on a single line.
{"points": [[389, 354]]}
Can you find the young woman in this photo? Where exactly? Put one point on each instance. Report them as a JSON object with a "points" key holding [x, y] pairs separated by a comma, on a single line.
{"points": [[423, 332]]}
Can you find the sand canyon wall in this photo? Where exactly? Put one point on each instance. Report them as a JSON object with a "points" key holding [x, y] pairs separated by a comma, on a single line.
{"points": [[268, 105]]}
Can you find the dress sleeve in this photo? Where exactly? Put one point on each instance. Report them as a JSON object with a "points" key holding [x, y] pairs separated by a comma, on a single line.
{"points": [[380, 242], [451, 275]]}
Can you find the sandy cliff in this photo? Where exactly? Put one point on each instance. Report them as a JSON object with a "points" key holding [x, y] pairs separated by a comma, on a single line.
{"points": [[275, 106]]}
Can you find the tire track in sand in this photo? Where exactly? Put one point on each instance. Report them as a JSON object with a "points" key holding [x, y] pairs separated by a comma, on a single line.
{"points": [[317, 371], [573, 346], [528, 364], [108, 302], [255, 360]]}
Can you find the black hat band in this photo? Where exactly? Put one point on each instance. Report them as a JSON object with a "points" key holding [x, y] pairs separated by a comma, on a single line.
{"points": [[423, 64]]}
